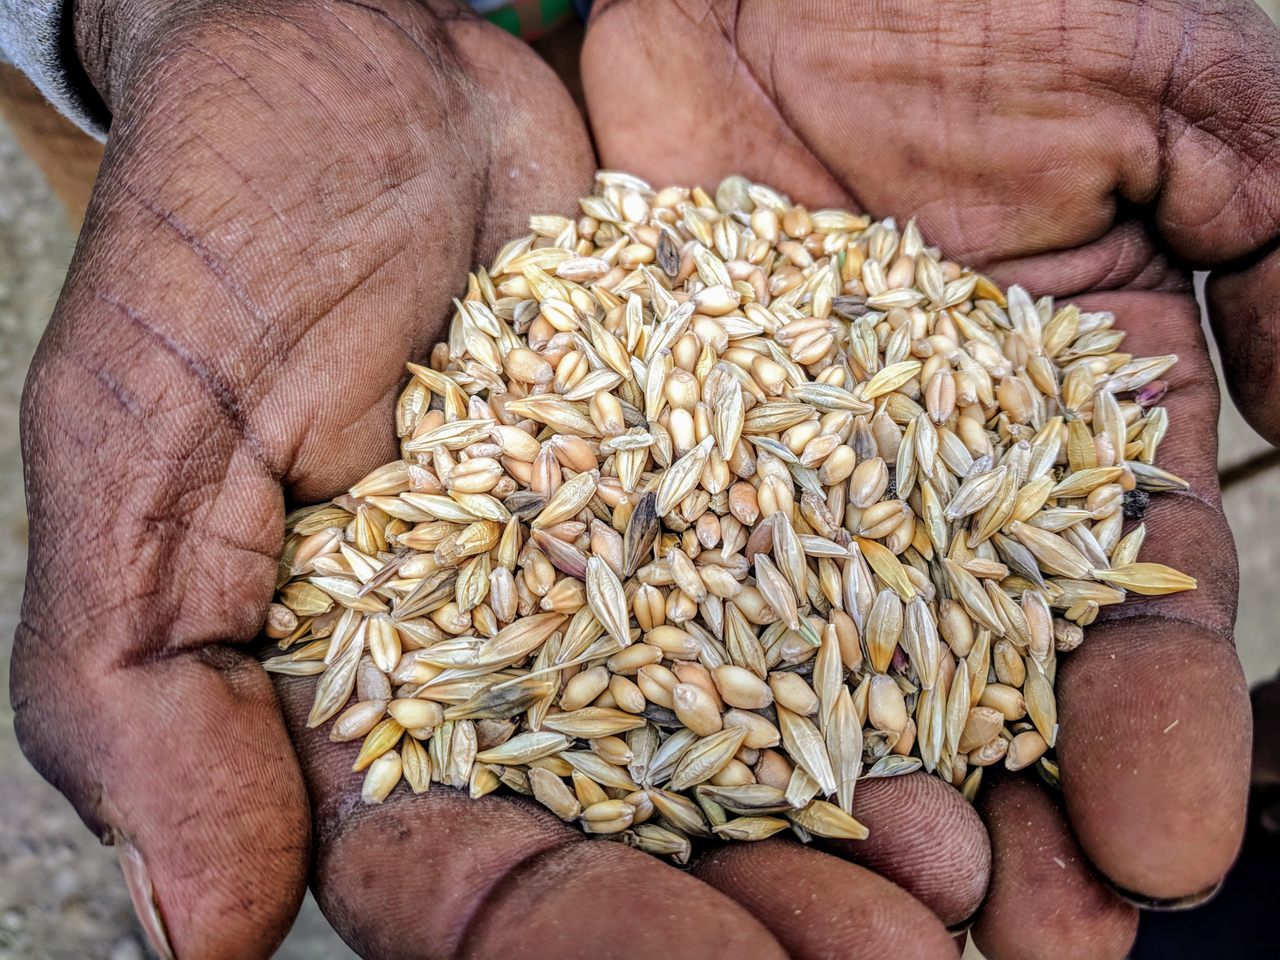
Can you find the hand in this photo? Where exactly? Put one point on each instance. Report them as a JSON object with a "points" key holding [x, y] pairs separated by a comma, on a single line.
{"points": [[292, 194], [1092, 151]]}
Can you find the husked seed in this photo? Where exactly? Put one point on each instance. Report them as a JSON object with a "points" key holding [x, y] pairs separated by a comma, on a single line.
{"points": [[790, 690], [357, 720], [733, 774], [1025, 749], [710, 507], [699, 676], [1006, 699], [416, 714], [626, 694], [886, 707], [381, 777], [760, 732], [674, 643], [981, 726], [632, 659], [657, 682], [989, 753], [773, 769], [739, 687], [584, 687], [695, 709]]}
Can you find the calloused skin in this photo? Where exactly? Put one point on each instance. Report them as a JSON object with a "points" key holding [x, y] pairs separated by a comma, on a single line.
{"points": [[292, 193]]}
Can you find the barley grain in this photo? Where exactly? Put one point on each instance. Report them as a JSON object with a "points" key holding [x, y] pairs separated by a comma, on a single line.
{"points": [[690, 465]]}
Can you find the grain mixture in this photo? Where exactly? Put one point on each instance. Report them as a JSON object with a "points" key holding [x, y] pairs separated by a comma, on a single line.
{"points": [[712, 506]]}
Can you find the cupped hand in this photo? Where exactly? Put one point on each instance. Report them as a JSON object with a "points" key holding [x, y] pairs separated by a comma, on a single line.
{"points": [[1092, 151], [292, 194]]}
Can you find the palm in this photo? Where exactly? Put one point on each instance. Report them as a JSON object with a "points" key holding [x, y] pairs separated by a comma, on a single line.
{"points": [[1024, 148]]}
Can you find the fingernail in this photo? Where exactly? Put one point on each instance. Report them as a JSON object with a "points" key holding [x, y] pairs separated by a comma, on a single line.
{"points": [[143, 895], [1168, 904]]}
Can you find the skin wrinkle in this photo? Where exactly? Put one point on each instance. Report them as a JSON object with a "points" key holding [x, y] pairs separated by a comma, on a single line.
{"points": [[314, 436], [211, 260], [173, 516], [131, 598], [224, 397], [1164, 102], [1238, 191], [981, 99], [1068, 278], [267, 46], [300, 332], [1247, 132], [1075, 915], [731, 37], [489, 901], [374, 63], [486, 188], [442, 53], [950, 208], [939, 86], [121, 394], [923, 838], [1129, 261], [1123, 614], [844, 913]]}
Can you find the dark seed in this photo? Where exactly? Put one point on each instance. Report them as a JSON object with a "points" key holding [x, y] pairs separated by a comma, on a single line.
{"points": [[661, 717], [642, 530], [525, 504], [1135, 504], [850, 307], [1151, 394], [668, 255]]}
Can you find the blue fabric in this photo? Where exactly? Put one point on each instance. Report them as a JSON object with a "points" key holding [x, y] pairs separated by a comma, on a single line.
{"points": [[32, 36]]}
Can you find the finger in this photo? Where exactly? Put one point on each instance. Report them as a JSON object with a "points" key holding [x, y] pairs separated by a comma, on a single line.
{"points": [[821, 907], [1154, 742], [1126, 257], [925, 838], [1046, 902], [442, 875], [1246, 323], [1221, 175]]}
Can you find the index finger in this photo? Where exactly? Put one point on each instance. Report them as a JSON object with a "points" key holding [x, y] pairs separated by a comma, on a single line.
{"points": [[1154, 744]]}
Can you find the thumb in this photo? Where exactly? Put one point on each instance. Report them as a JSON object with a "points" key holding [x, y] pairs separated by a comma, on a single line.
{"points": [[152, 549]]}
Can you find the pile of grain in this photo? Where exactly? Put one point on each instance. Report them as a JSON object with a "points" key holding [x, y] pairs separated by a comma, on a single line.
{"points": [[712, 506]]}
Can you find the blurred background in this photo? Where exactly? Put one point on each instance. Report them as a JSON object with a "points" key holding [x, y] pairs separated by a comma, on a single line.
{"points": [[61, 895]]}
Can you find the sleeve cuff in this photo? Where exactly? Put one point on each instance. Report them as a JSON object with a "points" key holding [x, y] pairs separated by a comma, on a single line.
{"points": [[35, 36]]}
